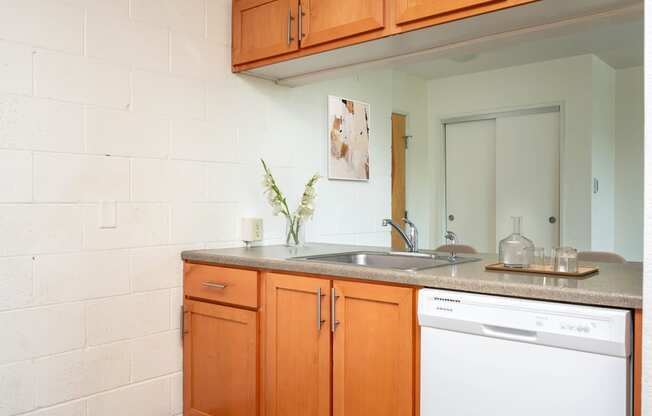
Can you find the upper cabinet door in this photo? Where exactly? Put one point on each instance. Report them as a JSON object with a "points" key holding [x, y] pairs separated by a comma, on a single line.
{"points": [[263, 29], [408, 11], [373, 350], [219, 344], [297, 346], [327, 20]]}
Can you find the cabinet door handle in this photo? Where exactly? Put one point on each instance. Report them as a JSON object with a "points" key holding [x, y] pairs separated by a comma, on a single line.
{"points": [[183, 323], [290, 19], [301, 14], [334, 322], [320, 321], [184, 330], [214, 285]]}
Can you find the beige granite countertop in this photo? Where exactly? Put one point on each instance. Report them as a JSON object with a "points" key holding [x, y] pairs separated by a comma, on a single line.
{"points": [[616, 285]]}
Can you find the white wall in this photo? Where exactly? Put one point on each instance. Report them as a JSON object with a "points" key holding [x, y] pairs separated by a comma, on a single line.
{"points": [[565, 81], [629, 163], [602, 155], [410, 97], [288, 127], [133, 101], [647, 240], [587, 90]]}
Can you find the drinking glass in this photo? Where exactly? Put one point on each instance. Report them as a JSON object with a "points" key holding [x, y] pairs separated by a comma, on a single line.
{"points": [[565, 259], [539, 257]]}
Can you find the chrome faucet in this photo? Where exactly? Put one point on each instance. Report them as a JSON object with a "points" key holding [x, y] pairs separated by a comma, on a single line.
{"points": [[452, 237], [410, 235]]}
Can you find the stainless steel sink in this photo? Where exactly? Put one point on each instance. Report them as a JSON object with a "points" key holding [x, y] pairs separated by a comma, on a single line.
{"points": [[389, 260]]}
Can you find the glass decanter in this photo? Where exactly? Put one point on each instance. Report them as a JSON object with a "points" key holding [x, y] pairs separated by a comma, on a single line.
{"points": [[516, 250]]}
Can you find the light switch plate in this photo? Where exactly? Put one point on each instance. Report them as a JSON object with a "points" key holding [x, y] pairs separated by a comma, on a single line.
{"points": [[108, 214]]}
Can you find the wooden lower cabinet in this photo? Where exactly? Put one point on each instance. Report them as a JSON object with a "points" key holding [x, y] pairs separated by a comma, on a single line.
{"points": [[220, 354], [297, 346], [372, 346], [289, 357], [373, 350]]}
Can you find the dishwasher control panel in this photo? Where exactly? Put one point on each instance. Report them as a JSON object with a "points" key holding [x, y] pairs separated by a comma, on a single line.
{"points": [[573, 325]]}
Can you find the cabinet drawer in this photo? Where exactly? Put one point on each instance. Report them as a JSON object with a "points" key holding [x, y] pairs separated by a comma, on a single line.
{"points": [[221, 284]]}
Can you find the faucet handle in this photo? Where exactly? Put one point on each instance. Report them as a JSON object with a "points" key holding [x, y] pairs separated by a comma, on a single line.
{"points": [[450, 236], [408, 222]]}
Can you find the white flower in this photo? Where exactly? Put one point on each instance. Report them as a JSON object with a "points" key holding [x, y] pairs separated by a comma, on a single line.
{"points": [[278, 202], [306, 207], [305, 211]]}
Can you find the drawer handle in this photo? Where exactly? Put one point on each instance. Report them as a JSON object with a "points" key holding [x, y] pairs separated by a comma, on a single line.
{"points": [[214, 285]]}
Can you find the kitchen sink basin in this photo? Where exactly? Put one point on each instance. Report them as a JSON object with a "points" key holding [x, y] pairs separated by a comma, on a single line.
{"points": [[389, 260]]}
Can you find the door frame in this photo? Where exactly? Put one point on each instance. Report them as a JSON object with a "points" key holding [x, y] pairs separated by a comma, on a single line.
{"points": [[391, 147], [493, 114]]}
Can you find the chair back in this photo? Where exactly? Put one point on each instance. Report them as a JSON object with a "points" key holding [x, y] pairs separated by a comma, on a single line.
{"points": [[458, 248], [600, 257]]}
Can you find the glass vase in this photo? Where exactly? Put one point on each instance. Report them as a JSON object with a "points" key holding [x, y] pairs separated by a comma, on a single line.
{"points": [[295, 232], [516, 250]]}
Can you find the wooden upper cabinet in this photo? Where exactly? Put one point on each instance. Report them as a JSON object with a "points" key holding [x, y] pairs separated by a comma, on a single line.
{"points": [[220, 360], [408, 11], [373, 355], [297, 346], [328, 20], [263, 29], [266, 32]]}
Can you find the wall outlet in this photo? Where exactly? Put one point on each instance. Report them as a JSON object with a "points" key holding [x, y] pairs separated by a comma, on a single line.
{"points": [[251, 229]]}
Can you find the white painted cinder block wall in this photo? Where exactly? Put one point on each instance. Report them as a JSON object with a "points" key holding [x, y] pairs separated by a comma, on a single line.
{"points": [[133, 101]]}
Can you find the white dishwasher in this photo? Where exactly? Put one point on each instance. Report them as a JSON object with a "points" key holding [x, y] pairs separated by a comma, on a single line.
{"points": [[487, 355]]}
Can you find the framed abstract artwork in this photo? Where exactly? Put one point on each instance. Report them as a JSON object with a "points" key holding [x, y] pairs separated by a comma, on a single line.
{"points": [[348, 139]]}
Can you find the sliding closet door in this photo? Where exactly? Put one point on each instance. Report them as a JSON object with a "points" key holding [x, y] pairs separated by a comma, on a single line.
{"points": [[527, 176], [471, 183]]}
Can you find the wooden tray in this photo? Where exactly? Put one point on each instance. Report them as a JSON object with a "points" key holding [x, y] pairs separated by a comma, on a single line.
{"points": [[581, 271]]}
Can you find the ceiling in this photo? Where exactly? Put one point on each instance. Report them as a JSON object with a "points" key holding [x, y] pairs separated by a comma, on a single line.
{"points": [[619, 44]]}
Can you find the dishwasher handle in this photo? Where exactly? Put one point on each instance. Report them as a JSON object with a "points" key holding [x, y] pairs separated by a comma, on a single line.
{"points": [[509, 333]]}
